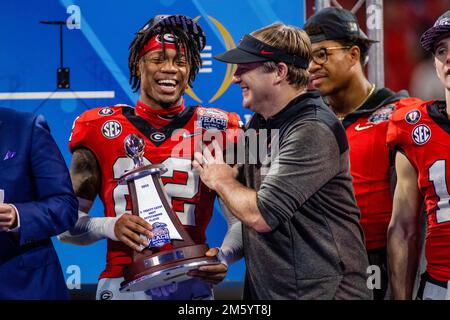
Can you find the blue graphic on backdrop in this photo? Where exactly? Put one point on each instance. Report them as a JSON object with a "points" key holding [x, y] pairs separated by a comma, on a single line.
{"points": [[96, 40]]}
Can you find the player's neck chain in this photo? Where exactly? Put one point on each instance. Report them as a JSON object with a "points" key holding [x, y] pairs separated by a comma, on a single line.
{"points": [[372, 90]]}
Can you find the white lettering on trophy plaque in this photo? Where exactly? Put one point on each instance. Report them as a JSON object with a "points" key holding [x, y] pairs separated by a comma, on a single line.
{"points": [[150, 205]]}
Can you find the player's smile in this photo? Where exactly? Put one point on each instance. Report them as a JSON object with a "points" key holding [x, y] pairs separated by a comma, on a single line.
{"points": [[167, 86]]}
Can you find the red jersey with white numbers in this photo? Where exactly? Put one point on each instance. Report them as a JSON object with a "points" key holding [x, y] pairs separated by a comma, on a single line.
{"points": [[422, 132], [103, 131], [371, 163]]}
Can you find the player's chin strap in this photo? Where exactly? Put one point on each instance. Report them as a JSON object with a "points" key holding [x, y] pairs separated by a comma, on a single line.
{"points": [[89, 229]]}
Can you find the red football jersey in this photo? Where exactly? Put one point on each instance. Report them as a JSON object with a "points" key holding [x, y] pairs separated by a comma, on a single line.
{"points": [[370, 168], [422, 132], [103, 130]]}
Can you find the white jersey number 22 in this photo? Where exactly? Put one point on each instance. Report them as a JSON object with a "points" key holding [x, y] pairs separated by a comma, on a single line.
{"points": [[174, 190]]}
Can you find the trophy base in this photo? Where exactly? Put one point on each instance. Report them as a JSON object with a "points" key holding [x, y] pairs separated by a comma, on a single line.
{"points": [[175, 274], [153, 271]]}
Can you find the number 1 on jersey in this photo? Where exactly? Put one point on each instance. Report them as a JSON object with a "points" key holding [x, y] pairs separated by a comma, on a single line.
{"points": [[437, 173]]}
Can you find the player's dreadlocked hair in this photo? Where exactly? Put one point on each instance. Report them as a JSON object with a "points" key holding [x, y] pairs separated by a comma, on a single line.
{"points": [[182, 40]]}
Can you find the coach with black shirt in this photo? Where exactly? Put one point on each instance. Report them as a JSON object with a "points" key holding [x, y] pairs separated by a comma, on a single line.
{"points": [[301, 235]]}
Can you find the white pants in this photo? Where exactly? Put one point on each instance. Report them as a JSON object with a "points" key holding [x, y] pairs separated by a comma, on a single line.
{"points": [[193, 289], [433, 291]]}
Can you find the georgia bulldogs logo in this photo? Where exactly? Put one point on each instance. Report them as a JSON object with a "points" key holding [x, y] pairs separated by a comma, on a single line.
{"points": [[413, 116], [111, 129], [168, 38], [106, 295], [157, 136]]}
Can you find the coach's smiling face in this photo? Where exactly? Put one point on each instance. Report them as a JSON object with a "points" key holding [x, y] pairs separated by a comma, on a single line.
{"points": [[256, 85]]}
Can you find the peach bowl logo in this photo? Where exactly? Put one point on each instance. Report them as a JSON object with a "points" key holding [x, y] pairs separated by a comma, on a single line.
{"points": [[231, 68]]}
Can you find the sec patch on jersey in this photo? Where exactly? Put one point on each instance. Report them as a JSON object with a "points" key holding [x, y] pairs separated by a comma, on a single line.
{"points": [[421, 134], [111, 129]]}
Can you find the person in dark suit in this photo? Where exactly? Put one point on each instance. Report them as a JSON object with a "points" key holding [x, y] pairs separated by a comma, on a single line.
{"points": [[38, 203]]}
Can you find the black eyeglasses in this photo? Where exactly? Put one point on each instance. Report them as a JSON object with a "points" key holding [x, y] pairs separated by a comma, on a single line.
{"points": [[320, 56]]}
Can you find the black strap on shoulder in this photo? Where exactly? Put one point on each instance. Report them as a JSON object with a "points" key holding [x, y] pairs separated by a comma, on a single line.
{"points": [[438, 112], [148, 130]]}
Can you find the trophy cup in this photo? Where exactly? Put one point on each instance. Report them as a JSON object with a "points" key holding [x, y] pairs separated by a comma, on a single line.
{"points": [[171, 252]]}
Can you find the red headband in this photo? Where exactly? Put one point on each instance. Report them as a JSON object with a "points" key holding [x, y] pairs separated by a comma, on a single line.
{"points": [[155, 43]]}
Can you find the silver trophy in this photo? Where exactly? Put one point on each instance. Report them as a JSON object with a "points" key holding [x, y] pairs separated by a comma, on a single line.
{"points": [[171, 252], [134, 148]]}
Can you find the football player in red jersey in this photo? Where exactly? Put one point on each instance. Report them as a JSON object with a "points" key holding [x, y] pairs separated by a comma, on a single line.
{"points": [[164, 59], [340, 52], [421, 134]]}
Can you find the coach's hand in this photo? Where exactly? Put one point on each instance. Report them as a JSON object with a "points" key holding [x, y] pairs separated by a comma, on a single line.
{"points": [[212, 169], [129, 228], [213, 273]]}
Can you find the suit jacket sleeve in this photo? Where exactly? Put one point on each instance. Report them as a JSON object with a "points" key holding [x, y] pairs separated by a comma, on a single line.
{"points": [[55, 206]]}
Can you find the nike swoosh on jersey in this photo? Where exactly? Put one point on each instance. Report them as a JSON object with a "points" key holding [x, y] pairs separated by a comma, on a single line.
{"points": [[185, 136], [360, 128]]}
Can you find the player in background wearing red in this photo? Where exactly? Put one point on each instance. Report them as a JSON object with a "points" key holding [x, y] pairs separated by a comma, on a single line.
{"points": [[340, 52], [164, 59], [421, 134]]}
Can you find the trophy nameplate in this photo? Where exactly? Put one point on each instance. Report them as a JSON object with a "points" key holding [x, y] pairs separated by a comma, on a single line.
{"points": [[171, 252]]}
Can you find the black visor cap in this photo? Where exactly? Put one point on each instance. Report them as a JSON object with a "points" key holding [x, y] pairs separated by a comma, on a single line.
{"points": [[251, 50]]}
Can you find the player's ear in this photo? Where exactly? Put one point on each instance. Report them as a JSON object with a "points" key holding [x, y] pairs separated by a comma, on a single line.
{"points": [[138, 69], [354, 54]]}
